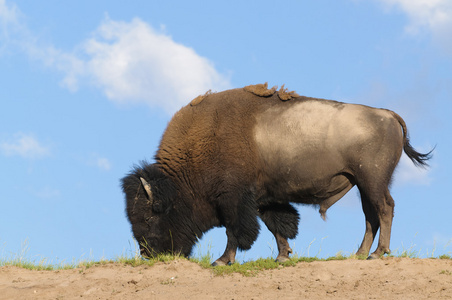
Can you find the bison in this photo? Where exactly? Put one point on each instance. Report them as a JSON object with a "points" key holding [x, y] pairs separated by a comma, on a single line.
{"points": [[230, 157]]}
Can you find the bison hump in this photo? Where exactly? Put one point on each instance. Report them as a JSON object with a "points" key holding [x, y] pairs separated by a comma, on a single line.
{"points": [[285, 95], [199, 99], [262, 90]]}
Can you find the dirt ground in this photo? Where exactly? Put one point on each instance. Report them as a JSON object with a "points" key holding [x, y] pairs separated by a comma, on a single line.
{"points": [[387, 278]]}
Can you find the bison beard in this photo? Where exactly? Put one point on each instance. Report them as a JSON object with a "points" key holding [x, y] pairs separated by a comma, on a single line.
{"points": [[230, 157]]}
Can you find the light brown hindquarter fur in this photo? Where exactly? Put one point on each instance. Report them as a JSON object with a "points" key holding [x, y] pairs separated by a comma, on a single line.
{"points": [[312, 149]]}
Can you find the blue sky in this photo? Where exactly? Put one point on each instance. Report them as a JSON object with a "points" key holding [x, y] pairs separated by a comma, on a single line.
{"points": [[88, 87]]}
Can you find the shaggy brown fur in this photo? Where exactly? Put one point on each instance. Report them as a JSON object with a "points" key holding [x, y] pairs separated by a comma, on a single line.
{"points": [[200, 98]]}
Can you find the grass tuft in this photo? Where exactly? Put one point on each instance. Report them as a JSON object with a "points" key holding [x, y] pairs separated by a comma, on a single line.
{"points": [[250, 268], [445, 256]]}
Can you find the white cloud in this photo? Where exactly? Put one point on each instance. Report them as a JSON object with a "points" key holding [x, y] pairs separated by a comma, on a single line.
{"points": [[8, 18], [14, 33], [97, 161], [103, 164], [131, 62], [25, 146], [434, 16]]}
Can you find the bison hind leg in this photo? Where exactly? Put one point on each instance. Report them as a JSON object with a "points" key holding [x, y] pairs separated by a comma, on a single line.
{"points": [[378, 209]]}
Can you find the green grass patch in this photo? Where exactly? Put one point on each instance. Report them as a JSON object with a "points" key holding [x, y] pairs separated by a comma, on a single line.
{"points": [[133, 258], [252, 268], [249, 268]]}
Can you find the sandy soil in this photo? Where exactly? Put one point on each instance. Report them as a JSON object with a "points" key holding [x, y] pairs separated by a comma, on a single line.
{"points": [[388, 278]]}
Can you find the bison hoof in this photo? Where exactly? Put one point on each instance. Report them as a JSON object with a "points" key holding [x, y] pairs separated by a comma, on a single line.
{"points": [[373, 256], [220, 263], [282, 259]]}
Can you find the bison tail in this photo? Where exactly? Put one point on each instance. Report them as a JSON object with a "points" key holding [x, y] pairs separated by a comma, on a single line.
{"points": [[419, 159]]}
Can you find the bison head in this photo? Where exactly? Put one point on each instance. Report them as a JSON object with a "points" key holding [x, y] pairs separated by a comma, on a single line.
{"points": [[152, 209]]}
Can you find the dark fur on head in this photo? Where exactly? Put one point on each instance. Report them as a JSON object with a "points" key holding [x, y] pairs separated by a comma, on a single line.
{"points": [[156, 225]]}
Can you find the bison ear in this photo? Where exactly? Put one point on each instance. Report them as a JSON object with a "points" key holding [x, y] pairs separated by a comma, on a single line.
{"points": [[147, 187]]}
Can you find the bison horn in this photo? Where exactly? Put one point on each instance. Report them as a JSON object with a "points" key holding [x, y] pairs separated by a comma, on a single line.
{"points": [[147, 187]]}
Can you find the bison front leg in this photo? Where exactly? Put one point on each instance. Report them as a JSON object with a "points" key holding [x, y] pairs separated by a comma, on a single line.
{"points": [[283, 249], [228, 256], [282, 221], [239, 216]]}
